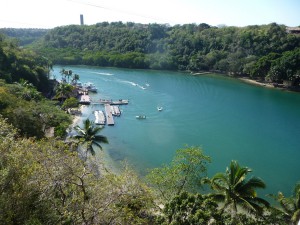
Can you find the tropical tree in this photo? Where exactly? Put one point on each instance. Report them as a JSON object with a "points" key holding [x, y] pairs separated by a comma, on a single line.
{"points": [[290, 205], [63, 91], [234, 190], [89, 135], [184, 173], [75, 78]]}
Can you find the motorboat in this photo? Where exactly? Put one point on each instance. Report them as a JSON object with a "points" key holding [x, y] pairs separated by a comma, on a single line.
{"points": [[141, 117], [90, 87], [159, 108]]}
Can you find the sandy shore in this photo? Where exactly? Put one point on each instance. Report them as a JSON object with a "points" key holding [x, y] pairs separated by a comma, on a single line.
{"points": [[254, 82]]}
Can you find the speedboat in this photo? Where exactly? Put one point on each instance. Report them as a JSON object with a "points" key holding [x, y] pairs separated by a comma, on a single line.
{"points": [[141, 117], [159, 108], [90, 87]]}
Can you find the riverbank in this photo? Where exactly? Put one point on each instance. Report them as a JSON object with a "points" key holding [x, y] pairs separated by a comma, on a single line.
{"points": [[255, 82], [101, 162]]}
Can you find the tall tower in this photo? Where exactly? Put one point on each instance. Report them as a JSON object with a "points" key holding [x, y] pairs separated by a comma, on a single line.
{"points": [[81, 19]]}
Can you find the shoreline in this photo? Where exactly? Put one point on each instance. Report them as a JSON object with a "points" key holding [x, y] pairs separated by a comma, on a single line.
{"points": [[104, 162], [257, 83]]}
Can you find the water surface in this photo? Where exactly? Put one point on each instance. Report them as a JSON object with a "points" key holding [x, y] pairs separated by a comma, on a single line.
{"points": [[229, 119]]}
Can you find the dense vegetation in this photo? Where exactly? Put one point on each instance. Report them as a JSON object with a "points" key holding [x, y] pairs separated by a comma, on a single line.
{"points": [[24, 36], [58, 181], [266, 51], [23, 84]]}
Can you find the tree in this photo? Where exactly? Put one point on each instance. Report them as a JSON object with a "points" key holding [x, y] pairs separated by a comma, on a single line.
{"points": [[184, 173], [63, 91], [290, 205], [89, 135], [233, 189], [187, 208], [75, 78]]}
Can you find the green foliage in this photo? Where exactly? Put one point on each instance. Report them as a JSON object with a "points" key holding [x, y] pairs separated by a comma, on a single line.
{"points": [[186, 208], [234, 50], [89, 135], [290, 206], [70, 103], [32, 116], [234, 190], [22, 64], [42, 182], [184, 173]]}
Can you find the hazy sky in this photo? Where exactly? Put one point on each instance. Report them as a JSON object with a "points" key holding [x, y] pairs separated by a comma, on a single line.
{"points": [[52, 13]]}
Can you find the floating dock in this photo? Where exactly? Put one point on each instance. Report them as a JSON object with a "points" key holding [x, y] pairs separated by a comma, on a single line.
{"points": [[117, 102], [99, 117], [85, 100], [109, 117]]}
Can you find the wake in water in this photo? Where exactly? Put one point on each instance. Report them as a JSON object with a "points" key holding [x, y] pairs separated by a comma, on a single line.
{"points": [[101, 73], [131, 83]]}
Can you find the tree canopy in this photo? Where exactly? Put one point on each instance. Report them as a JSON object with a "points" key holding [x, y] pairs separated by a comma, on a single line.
{"points": [[250, 50]]}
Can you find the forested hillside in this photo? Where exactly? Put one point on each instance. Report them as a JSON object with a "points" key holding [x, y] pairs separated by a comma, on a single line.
{"points": [[259, 51], [25, 36]]}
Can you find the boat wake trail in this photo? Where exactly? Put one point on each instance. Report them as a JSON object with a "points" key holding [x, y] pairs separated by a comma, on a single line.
{"points": [[131, 83], [101, 73]]}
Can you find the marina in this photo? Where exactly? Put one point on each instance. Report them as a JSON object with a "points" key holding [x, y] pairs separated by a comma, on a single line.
{"points": [[211, 111]]}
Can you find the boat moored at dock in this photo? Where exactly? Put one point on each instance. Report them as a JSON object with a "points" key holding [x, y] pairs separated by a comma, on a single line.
{"points": [[115, 110], [90, 87]]}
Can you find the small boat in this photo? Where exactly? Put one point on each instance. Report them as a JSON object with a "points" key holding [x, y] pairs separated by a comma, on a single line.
{"points": [[159, 108], [90, 87], [115, 110], [141, 117]]}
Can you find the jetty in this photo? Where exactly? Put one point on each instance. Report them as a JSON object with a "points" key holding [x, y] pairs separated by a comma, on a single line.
{"points": [[117, 102], [99, 117], [109, 117], [85, 100]]}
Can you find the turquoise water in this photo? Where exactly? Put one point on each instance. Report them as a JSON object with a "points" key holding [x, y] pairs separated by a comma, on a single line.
{"points": [[229, 119]]}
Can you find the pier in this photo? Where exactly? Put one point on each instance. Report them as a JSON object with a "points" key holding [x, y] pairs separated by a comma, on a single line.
{"points": [[85, 100], [109, 117]]}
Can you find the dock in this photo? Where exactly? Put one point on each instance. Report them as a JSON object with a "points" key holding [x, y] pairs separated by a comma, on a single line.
{"points": [[99, 117], [85, 100], [109, 117]]}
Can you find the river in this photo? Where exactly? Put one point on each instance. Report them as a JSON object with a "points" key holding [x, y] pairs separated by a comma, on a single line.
{"points": [[227, 118]]}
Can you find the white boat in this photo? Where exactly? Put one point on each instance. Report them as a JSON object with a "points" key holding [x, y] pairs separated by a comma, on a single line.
{"points": [[90, 87], [141, 117], [115, 110], [159, 108], [99, 117]]}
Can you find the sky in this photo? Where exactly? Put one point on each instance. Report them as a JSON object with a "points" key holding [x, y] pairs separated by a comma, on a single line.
{"points": [[53, 13]]}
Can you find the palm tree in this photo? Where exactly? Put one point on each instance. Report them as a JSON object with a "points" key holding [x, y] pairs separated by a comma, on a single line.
{"points": [[291, 205], [89, 135], [63, 91], [75, 78], [233, 189]]}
